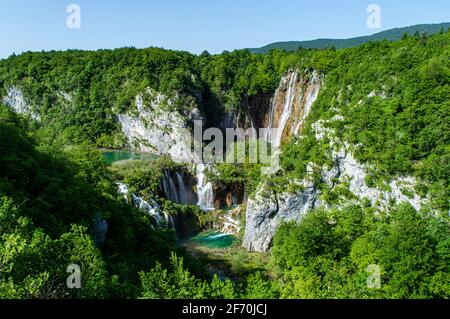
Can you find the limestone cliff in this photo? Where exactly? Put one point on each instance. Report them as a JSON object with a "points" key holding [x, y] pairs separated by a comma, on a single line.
{"points": [[16, 101], [156, 126], [267, 209]]}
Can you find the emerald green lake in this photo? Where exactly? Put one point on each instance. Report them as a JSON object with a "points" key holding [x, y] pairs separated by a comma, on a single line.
{"points": [[117, 156], [212, 239]]}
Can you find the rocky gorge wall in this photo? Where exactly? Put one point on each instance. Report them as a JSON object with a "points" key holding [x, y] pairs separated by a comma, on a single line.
{"points": [[15, 99], [157, 126], [291, 104], [268, 209]]}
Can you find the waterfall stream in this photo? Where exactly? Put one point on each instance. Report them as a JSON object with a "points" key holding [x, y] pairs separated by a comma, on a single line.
{"points": [[204, 189], [286, 112], [182, 192], [177, 186], [169, 188], [311, 96], [291, 104], [173, 191]]}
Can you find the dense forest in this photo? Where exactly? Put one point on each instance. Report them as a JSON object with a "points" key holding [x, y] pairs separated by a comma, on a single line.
{"points": [[56, 188], [390, 35]]}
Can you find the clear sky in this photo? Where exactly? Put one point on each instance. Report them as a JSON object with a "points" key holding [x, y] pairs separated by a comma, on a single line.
{"points": [[197, 25]]}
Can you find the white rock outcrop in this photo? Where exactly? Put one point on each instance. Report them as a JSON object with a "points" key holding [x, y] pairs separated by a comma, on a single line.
{"points": [[268, 209], [158, 128], [16, 101]]}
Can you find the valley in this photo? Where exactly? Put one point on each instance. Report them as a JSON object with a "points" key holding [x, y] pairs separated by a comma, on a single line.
{"points": [[99, 168]]}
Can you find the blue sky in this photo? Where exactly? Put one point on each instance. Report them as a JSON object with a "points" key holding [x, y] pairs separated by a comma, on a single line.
{"points": [[197, 25]]}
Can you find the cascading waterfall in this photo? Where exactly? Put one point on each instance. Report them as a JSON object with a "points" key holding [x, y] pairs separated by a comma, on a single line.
{"points": [[182, 192], [150, 206], [177, 187], [173, 189], [153, 209], [177, 191], [169, 220], [169, 188], [231, 223], [204, 189]]}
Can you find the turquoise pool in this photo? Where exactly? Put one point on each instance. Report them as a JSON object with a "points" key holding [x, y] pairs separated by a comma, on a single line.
{"points": [[212, 239]]}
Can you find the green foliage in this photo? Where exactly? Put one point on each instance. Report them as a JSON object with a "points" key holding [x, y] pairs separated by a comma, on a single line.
{"points": [[143, 177], [34, 266], [54, 184], [327, 254], [178, 283], [260, 287], [239, 168], [51, 199]]}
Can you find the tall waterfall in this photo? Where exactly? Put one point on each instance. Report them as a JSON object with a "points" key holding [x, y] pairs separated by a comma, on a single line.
{"points": [[286, 112], [182, 192], [169, 188], [177, 186], [291, 104], [204, 189], [312, 92]]}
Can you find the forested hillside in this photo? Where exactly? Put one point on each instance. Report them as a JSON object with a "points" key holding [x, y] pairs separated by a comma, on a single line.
{"points": [[390, 35], [387, 103]]}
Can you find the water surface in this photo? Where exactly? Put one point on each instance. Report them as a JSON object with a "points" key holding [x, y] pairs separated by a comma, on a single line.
{"points": [[117, 156], [212, 239]]}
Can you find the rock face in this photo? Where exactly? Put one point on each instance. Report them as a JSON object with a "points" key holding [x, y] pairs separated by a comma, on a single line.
{"points": [[348, 169], [229, 195], [257, 107], [267, 209], [158, 128], [16, 101]]}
